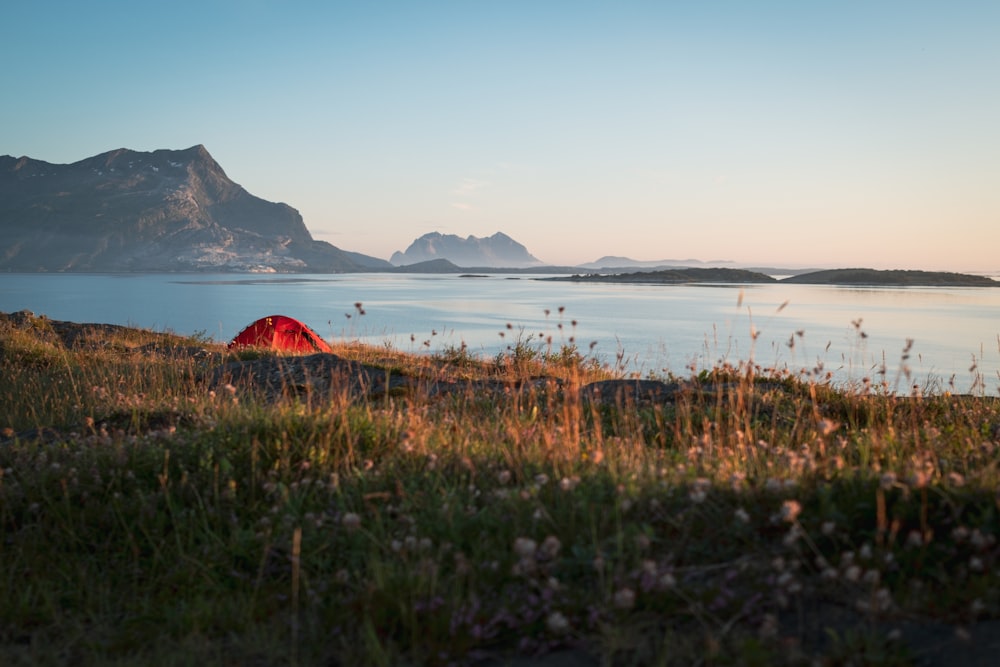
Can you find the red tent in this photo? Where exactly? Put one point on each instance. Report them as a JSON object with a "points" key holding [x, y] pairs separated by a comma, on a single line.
{"points": [[281, 333]]}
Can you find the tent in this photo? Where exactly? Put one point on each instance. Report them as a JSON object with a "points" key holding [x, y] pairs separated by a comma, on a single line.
{"points": [[280, 333]]}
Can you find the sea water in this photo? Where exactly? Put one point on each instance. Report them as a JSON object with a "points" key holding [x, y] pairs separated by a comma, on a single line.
{"points": [[853, 333]]}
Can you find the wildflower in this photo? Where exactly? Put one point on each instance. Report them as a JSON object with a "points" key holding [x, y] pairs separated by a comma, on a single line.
{"points": [[790, 510], [699, 490], [667, 581], [826, 427], [914, 539], [569, 483], [852, 573], [351, 521], [741, 515], [550, 547], [883, 599], [557, 623], [525, 547], [624, 598], [828, 528], [920, 478], [737, 480]]}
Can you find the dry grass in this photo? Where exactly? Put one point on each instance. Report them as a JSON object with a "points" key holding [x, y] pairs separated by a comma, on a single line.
{"points": [[752, 517]]}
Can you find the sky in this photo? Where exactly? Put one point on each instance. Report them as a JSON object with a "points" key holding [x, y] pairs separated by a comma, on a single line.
{"points": [[765, 133]]}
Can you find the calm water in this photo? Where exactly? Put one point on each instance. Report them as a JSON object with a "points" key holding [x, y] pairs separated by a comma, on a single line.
{"points": [[651, 328]]}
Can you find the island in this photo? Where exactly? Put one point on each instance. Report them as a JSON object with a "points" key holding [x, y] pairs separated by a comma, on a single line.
{"points": [[844, 277], [891, 278], [679, 276]]}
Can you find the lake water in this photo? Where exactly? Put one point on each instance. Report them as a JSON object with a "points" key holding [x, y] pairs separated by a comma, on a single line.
{"points": [[651, 329]]}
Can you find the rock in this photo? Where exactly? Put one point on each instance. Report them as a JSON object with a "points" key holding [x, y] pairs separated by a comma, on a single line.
{"points": [[322, 375], [630, 392]]}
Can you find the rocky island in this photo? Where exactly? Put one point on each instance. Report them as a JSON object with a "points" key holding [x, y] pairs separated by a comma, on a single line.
{"points": [[891, 278], [846, 277], [679, 276]]}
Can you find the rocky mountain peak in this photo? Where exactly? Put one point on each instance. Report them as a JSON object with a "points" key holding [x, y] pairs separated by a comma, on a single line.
{"points": [[173, 210], [496, 251]]}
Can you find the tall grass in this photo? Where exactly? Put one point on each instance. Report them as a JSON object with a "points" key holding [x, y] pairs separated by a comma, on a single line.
{"points": [[755, 517]]}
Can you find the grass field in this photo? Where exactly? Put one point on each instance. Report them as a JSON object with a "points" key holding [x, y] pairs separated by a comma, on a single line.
{"points": [[159, 508]]}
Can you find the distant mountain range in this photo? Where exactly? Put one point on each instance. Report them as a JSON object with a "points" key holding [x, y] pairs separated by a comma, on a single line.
{"points": [[497, 251], [176, 210], [161, 211]]}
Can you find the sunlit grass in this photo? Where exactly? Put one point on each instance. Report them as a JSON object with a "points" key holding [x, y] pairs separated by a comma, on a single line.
{"points": [[757, 516]]}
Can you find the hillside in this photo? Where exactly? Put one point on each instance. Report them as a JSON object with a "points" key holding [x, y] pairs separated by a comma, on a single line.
{"points": [[168, 210]]}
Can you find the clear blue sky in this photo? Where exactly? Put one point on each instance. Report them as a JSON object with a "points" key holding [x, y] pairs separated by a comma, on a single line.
{"points": [[789, 133]]}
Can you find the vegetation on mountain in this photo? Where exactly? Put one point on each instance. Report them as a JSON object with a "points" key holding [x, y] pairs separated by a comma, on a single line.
{"points": [[166, 501]]}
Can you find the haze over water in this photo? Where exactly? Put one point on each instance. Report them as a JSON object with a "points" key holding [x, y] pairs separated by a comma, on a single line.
{"points": [[850, 332]]}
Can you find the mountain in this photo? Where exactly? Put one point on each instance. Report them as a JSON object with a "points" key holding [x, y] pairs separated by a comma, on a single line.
{"points": [[167, 210], [497, 251]]}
